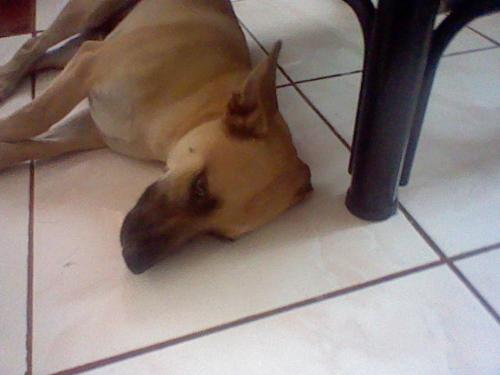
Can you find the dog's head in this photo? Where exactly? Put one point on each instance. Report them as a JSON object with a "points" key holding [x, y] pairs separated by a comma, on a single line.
{"points": [[226, 177]]}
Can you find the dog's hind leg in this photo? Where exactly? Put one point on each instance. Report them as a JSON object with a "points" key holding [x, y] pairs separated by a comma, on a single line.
{"points": [[76, 133], [78, 16], [67, 90]]}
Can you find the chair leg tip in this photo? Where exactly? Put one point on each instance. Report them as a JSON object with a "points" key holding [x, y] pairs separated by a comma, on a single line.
{"points": [[369, 212]]}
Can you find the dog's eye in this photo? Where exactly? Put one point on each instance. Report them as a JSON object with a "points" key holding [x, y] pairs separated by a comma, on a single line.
{"points": [[201, 202], [199, 187]]}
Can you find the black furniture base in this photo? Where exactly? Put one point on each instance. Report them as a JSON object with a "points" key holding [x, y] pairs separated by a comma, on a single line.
{"points": [[402, 52]]}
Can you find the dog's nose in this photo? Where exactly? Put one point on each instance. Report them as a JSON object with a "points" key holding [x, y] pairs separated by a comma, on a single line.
{"points": [[136, 261], [141, 245]]}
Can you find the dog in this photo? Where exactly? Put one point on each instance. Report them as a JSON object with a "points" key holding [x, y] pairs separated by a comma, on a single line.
{"points": [[170, 81]]}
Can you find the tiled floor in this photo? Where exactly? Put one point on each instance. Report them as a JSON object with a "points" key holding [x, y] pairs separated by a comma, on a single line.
{"points": [[316, 292]]}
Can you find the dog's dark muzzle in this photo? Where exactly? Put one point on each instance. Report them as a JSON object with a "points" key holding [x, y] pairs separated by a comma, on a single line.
{"points": [[140, 256], [144, 234]]}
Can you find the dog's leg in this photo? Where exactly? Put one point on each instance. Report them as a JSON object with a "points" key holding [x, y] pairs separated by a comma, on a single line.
{"points": [[77, 133], [77, 17], [59, 58], [67, 90]]}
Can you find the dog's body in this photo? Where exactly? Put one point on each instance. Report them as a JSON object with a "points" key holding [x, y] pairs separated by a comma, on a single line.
{"points": [[165, 56], [171, 82]]}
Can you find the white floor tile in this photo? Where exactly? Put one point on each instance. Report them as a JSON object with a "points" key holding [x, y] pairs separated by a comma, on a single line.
{"points": [[465, 40], [320, 37], [9, 46], [489, 26], [14, 214], [407, 326], [14, 209], [483, 273], [47, 11], [454, 191], [337, 99], [88, 306]]}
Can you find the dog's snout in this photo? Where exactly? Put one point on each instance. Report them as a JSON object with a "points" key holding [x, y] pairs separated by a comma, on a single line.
{"points": [[137, 260], [134, 226], [143, 234], [149, 213], [148, 195], [142, 253], [137, 243]]}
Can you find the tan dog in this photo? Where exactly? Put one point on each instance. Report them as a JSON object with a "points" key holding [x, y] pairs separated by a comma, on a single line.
{"points": [[171, 82]]}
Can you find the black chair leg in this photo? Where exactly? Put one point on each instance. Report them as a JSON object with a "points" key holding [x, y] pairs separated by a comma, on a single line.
{"points": [[395, 65], [365, 12], [461, 15]]}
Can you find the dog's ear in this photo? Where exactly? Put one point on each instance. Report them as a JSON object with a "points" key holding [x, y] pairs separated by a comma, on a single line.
{"points": [[251, 110]]}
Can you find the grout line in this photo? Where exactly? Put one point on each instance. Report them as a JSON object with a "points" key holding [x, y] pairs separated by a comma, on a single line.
{"points": [[474, 291], [30, 260], [283, 85], [484, 36], [248, 319], [320, 78], [299, 91], [482, 250], [30, 274], [449, 262], [322, 117], [29, 268], [470, 51], [422, 233]]}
